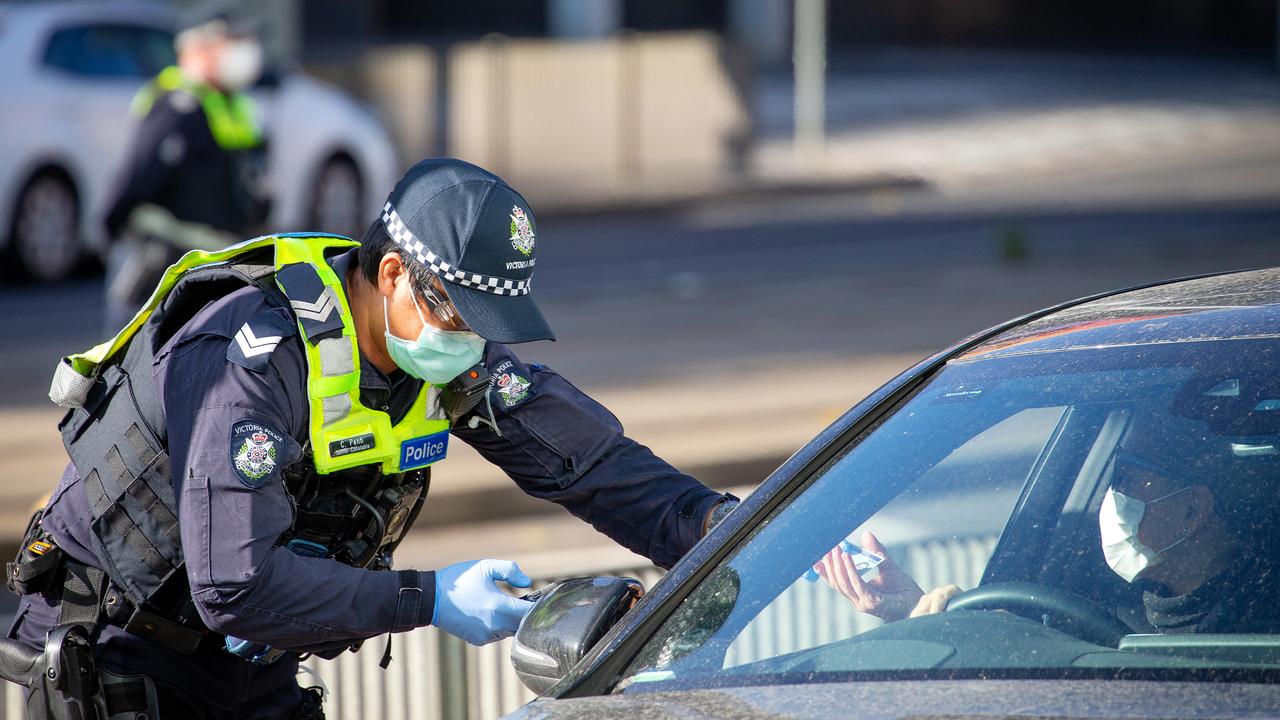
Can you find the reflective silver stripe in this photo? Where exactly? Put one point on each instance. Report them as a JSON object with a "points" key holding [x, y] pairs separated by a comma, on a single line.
{"points": [[435, 409], [335, 408], [336, 356], [69, 388], [320, 310], [251, 345]]}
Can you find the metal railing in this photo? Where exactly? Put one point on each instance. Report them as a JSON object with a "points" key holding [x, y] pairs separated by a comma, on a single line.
{"points": [[437, 677], [810, 614], [434, 676]]}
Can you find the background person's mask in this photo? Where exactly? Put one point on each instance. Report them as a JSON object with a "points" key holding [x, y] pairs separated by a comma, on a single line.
{"points": [[437, 356], [239, 65], [1119, 519]]}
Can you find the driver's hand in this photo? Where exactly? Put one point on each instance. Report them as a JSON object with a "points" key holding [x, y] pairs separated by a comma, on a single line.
{"points": [[935, 601], [890, 596]]}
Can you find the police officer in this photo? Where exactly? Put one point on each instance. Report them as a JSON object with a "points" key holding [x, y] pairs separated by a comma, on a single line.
{"points": [[194, 174], [248, 452]]}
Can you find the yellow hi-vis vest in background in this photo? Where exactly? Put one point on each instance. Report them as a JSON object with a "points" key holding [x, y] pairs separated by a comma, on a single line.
{"points": [[343, 432], [232, 117]]}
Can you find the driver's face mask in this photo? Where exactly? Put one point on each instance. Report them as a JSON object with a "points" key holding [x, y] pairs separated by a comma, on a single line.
{"points": [[1119, 520]]}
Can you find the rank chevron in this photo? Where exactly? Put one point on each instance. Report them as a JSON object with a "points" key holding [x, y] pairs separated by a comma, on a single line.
{"points": [[318, 310], [252, 345]]}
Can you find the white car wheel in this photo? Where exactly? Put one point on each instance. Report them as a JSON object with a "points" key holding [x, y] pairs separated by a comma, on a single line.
{"points": [[46, 238], [336, 205]]}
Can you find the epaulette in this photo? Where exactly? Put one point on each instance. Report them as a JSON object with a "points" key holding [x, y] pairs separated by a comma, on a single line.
{"points": [[255, 340]]}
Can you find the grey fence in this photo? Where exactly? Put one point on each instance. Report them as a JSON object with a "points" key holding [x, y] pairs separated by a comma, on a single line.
{"points": [[436, 677]]}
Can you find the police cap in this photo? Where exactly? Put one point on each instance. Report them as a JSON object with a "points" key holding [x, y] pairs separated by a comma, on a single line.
{"points": [[479, 236]]}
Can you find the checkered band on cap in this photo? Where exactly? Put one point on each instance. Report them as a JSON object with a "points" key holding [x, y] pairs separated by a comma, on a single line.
{"points": [[412, 245]]}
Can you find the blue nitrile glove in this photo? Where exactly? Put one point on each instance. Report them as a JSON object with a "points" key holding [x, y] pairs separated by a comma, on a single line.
{"points": [[256, 653], [470, 606]]}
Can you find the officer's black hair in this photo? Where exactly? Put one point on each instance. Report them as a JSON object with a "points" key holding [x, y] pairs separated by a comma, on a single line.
{"points": [[377, 243]]}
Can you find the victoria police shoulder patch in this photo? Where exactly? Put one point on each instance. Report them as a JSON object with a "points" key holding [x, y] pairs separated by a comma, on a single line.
{"points": [[510, 385], [255, 452]]}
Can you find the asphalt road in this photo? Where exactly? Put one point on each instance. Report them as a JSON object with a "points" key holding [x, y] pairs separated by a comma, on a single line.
{"points": [[724, 335], [642, 297]]}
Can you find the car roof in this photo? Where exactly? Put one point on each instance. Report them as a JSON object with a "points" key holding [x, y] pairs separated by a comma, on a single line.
{"points": [[25, 27], [1233, 306], [32, 21], [64, 10]]}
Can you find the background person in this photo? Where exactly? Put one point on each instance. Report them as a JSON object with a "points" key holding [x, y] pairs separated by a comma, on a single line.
{"points": [[194, 175]]}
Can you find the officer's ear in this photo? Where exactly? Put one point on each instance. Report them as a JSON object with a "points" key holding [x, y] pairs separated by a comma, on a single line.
{"points": [[390, 268]]}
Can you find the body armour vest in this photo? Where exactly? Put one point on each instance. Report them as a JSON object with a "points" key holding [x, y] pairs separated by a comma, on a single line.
{"points": [[361, 480]]}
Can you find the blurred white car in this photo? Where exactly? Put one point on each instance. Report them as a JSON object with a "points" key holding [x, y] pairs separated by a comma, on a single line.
{"points": [[68, 71]]}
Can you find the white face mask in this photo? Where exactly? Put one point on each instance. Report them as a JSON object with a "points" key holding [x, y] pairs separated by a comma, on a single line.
{"points": [[239, 65], [1119, 520]]}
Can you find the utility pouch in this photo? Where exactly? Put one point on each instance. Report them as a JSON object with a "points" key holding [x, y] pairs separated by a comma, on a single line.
{"points": [[312, 705], [129, 697], [35, 568]]}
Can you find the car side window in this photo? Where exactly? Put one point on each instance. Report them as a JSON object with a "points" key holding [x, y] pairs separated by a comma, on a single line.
{"points": [[109, 51], [941, 530]]}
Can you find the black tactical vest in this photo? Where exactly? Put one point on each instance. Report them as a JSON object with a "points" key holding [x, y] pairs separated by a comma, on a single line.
{"points": [[117, 442]]}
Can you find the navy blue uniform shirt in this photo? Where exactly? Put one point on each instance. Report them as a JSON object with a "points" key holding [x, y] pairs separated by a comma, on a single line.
{"points": [[552, 440]]}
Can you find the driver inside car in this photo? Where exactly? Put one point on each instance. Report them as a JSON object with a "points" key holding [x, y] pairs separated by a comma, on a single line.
{"points": [[1172, 522]]}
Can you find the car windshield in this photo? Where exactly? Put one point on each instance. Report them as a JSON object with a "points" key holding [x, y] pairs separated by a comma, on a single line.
{"points": [[1091, 511]]}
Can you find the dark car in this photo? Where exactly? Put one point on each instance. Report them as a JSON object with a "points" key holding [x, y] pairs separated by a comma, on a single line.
{"points": [[1098, 481]]}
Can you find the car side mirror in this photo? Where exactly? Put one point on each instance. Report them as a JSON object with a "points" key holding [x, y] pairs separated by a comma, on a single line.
{"points": [[568, 619]]}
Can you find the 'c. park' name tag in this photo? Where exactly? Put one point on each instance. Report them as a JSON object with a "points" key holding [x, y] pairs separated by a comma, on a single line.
{"points": [[423, 450], [347, 446]]}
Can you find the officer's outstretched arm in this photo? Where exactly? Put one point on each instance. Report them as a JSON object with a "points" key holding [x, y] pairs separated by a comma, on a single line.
{"points": [[231, 432], [557, 443]]}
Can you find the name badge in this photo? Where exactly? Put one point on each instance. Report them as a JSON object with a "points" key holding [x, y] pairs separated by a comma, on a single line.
{"points": [[423, 450], [347, 446]]}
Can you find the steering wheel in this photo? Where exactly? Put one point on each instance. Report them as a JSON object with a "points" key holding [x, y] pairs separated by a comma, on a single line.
{"points": [[1059, 609]]}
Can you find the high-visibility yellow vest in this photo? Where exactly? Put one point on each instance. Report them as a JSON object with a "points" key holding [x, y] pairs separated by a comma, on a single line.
{"points": [[343, 432], [233, 118]]}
